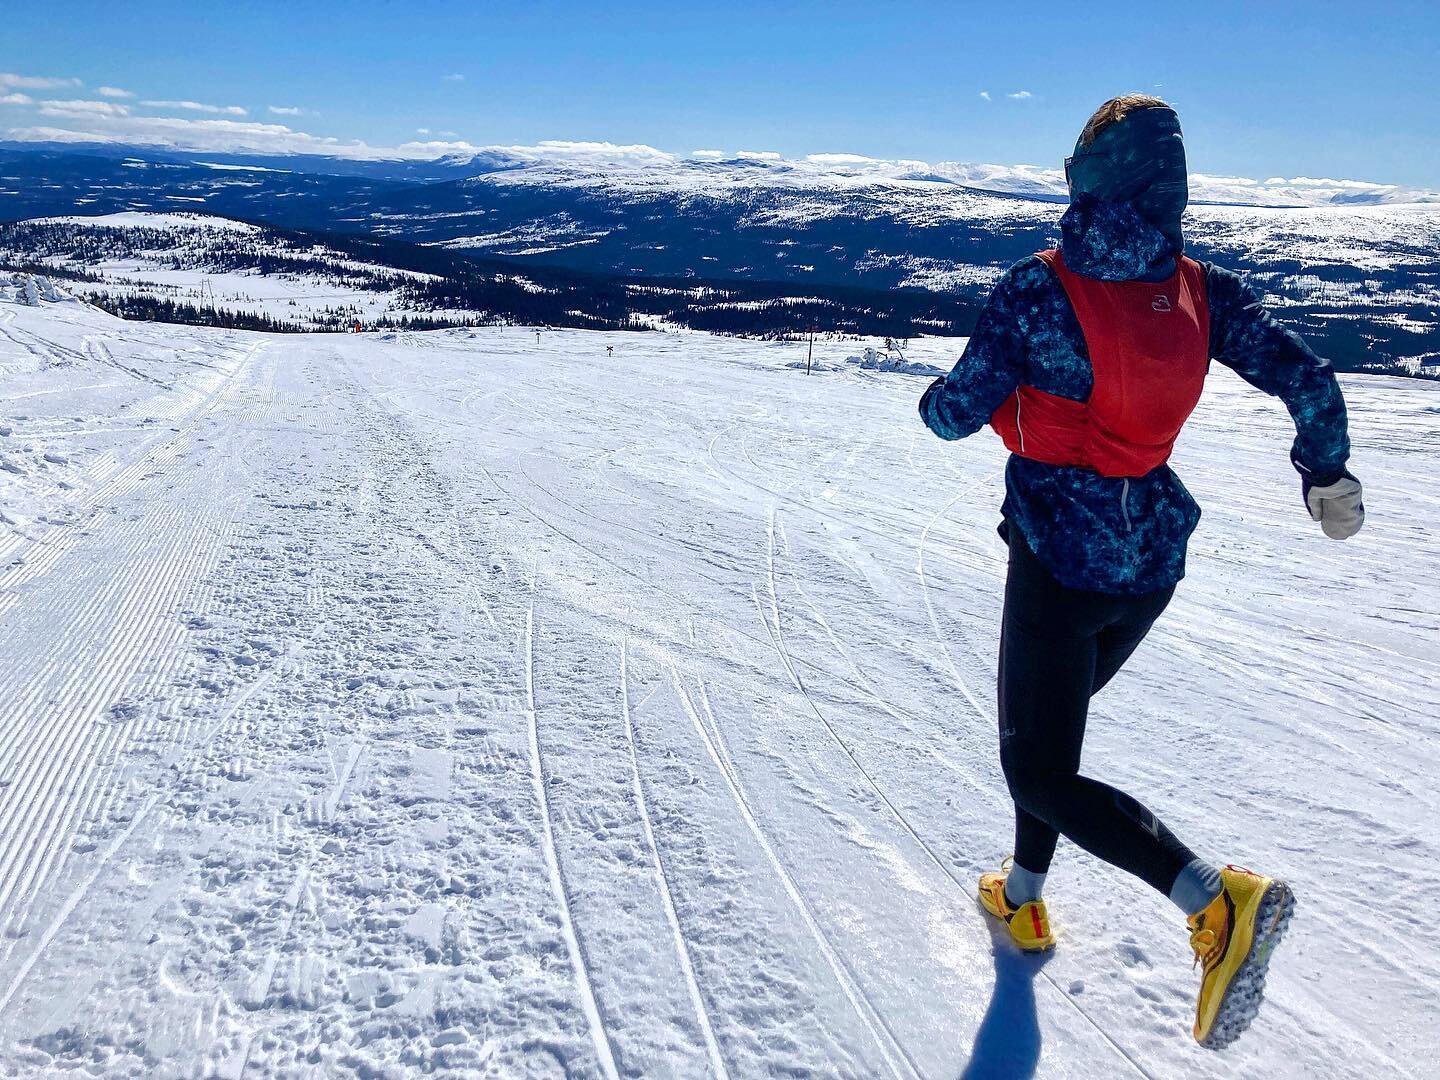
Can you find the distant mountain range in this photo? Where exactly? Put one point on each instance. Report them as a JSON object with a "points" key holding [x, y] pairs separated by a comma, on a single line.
{"points": [[648, 165], [1355, 267]]}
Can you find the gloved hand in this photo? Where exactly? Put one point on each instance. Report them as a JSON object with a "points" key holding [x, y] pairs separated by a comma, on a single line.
{"points": [[1338, 506]]}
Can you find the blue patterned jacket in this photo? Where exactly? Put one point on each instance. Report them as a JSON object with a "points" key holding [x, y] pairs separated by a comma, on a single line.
{"points": [[1090, 531]]}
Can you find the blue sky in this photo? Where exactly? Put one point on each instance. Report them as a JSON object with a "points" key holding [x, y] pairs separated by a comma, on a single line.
{"points": [[1264, 88]]}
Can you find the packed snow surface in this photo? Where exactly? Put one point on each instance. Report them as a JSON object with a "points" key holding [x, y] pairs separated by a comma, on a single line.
{"points": [[468, 704]]}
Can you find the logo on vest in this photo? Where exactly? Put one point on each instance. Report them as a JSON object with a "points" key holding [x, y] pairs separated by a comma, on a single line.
{"points": [[1160, 302]]}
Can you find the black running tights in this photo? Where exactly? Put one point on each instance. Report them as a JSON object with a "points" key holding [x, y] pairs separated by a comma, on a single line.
{"points": [[1058, 647]]}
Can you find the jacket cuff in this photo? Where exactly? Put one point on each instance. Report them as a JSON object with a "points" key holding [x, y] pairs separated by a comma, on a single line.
{"points": [[1318, 477]]}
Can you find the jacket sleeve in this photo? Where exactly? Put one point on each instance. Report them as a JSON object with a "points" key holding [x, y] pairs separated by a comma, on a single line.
{"points": [[991, 366], [1245, 337]]}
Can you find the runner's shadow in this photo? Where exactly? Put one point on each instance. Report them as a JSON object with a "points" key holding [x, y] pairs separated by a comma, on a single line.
{"points": [[1007, 1046]]}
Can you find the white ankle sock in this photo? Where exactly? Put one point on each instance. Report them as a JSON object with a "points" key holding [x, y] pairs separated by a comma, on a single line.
{"points": [[1022, 886], [1195, 887]]}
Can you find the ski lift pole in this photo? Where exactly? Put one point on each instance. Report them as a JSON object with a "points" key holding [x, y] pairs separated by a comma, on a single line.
{"points": [[809, 356]]}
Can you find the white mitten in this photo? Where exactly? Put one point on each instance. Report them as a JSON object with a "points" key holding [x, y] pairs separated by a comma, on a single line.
{"points": [[1339, 507]]}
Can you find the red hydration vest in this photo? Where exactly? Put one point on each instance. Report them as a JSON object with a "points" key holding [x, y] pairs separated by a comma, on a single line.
{"points": [[1149, 345]]}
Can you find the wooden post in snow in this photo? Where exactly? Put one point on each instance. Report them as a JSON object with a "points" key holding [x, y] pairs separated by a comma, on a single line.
{"points": [[809, 356]]}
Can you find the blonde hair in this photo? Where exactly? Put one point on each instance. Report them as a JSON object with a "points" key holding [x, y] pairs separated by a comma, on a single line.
{"points": [[1115, 110]]}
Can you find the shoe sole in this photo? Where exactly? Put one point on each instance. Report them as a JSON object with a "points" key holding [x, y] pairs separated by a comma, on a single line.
{"points": [[1247, 988], [1034, 950]]}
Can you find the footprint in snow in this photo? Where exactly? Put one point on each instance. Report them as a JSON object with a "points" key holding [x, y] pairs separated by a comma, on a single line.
{"points": [[1131, 955]]}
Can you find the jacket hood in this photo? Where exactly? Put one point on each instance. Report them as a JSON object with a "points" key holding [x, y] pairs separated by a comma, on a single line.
{"points": [[1128, 190]]}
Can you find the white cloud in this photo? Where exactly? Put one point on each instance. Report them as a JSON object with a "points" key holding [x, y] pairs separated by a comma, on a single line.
{"points": [[11, 81], [422, 131], [1019, 95], [455, 77], [83, 110], [985, 94], [567, 148], [197, 106], [113, 92], [758, 155], [841, 159], [436, 148], [1324, 182], [708, 155], [16, 99], [181, 133], [286, 110]]}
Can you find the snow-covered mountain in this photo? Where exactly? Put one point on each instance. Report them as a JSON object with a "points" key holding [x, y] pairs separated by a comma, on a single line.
{"points": [[644, 164], [1356, 267], [462, 704], [709, 171]]}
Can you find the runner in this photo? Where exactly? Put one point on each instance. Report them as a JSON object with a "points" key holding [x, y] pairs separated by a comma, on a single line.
{"points": [[1087, 361]]}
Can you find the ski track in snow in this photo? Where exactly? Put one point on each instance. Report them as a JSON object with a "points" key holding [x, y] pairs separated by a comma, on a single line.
{"points": [[898, 1062], [552, 860], [452, 703], [682, 950]]}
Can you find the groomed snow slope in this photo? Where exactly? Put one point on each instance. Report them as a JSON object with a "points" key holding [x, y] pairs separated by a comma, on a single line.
{"points": [[455, 702]]}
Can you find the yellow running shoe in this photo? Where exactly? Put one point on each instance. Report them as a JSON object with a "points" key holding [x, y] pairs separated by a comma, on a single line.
{"points": [[1233, 939], [1029, 923]]}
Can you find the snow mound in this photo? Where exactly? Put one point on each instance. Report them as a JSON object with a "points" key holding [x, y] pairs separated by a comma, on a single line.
{"points": [[31, 289], [874, 360]]}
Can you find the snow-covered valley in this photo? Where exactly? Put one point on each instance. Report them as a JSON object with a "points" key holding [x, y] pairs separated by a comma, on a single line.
{"points": [[476, 704]]}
